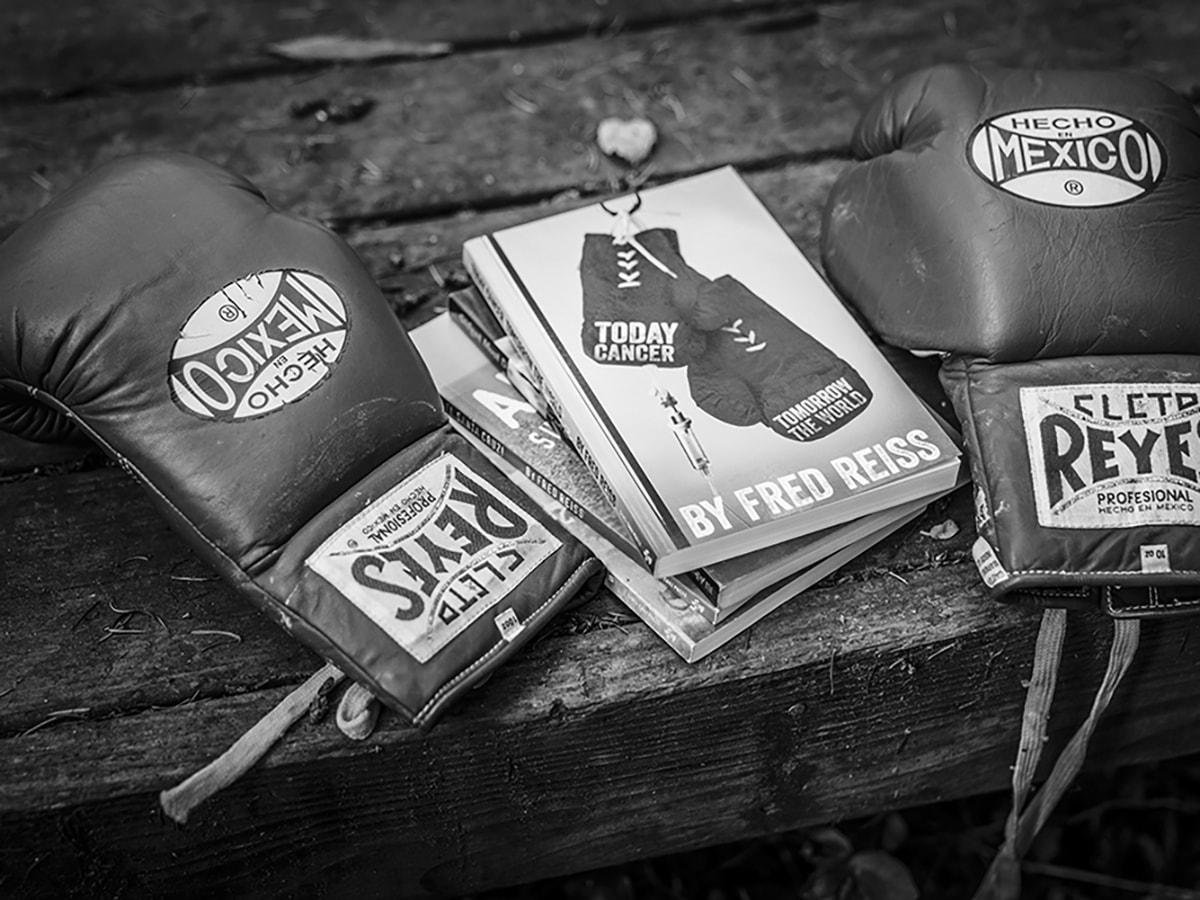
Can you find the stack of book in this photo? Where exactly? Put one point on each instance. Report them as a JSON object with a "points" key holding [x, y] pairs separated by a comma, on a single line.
{"points": [[667, 374]]}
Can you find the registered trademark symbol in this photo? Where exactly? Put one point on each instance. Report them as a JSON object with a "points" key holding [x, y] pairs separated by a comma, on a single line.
{"points": [[229, 312], [1073, 187]]}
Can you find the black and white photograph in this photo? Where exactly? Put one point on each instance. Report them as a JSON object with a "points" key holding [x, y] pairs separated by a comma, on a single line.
{"points": [[600, 449]]}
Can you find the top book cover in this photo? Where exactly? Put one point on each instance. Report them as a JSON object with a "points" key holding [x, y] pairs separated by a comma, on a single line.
{"points": [[714, 383]]}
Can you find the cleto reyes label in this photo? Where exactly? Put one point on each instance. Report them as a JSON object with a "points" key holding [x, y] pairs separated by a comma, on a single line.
{"points": [[1114, 455], [1067, 157], [257, 344], [432, 555]]}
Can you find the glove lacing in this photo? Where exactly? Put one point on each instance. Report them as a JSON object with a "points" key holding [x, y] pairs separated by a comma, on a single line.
{"points": [[622, 232], [1003, 878]]}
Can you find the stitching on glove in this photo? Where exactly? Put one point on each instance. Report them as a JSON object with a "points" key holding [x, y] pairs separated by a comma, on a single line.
{"points": [[976, 453], [1120, 573], [1175, 606], [1062, 591]]}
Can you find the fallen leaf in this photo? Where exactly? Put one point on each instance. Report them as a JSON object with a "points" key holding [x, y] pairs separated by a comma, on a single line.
{"points": [[629, 139], [943, 531], [824, 845], [339, 48], [523, 104]]}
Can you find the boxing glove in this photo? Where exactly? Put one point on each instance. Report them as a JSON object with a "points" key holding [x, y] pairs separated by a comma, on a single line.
{"points": [[635, 287], [758, 367], [1039, 229], [242, 365]]}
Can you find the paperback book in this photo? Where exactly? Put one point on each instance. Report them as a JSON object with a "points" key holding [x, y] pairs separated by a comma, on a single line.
{"points": [[493, 415], [672, 615], [479, 388], [714, 385]]}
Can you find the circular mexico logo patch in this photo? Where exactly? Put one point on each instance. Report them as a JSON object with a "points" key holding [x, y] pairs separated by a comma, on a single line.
{"points": [[1068, 157], [257, 344]]}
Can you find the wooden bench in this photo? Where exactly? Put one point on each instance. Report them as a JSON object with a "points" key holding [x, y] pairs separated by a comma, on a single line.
{"points": [[126, 665]]}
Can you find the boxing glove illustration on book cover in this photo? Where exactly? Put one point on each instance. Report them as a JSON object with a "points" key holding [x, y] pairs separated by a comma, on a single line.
{"points": [[747, 364], [694, 357]]}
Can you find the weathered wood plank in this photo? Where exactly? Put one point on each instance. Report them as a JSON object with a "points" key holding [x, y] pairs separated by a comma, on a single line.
{"points": [[18, 455], [572, 757], [794, 193], [596, 745], [484, 129], [81, 549], [59, 49], [445, 134]]}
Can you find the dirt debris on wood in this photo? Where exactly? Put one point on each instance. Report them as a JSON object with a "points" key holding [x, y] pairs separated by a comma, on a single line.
{"points": [[337, 110]]}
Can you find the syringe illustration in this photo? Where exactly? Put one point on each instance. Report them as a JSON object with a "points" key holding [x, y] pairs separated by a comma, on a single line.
{"points": [[681, 426]]}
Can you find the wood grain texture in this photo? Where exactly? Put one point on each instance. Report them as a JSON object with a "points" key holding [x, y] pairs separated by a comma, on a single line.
{"points": [[449, 134], [456, 133], [593, 751], [62, 49], [79, 550], [82, 550], [894, 682]]}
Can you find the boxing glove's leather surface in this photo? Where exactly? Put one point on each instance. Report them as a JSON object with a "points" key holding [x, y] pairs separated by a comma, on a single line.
{"points": [[242, 364]]}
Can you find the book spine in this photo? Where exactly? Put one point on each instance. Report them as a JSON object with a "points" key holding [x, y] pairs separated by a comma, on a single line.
{"points": [[565, 424], [480, 433], [671, 613], [573, 506], [703, 582], [475, 333]]}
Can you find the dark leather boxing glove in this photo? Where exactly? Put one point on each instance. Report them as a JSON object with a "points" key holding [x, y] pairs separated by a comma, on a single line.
{"points": [[1041, 229], [635, 289], [758, 367], [243, 366]]}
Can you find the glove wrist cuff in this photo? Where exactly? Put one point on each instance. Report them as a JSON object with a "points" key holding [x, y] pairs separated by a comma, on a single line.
{"points": [[425, 576], [1087, 476]]}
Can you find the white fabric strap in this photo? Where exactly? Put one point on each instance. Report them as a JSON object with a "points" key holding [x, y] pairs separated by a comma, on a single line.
{"points": [[1003, 878]]}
